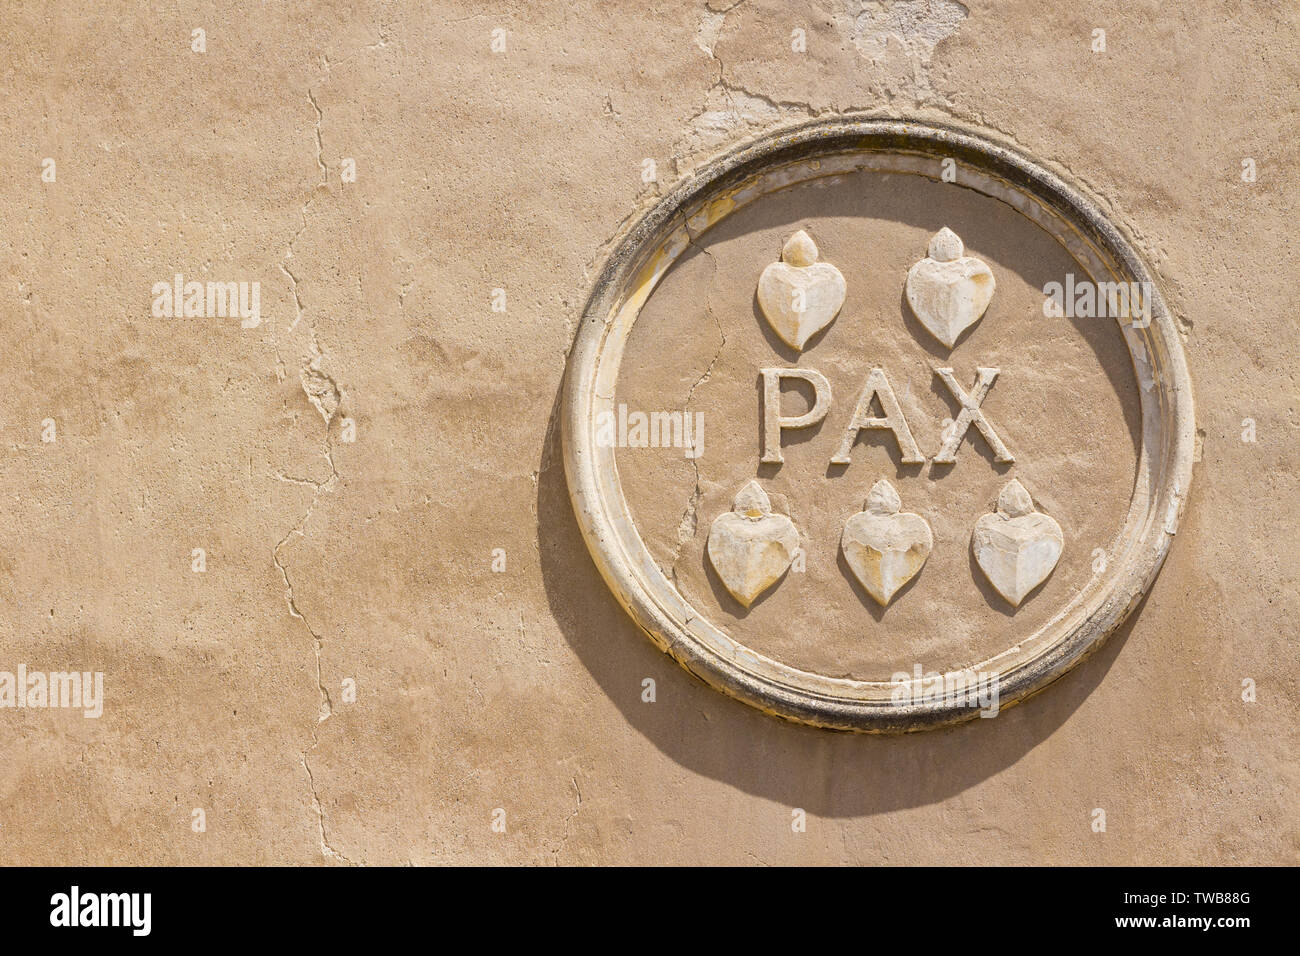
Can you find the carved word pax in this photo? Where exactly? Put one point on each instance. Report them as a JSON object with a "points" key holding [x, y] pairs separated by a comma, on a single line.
{"points": [[877, 388]]}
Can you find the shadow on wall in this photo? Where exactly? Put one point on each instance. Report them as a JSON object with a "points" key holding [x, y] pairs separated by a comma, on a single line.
{"points": [[827, 773]]}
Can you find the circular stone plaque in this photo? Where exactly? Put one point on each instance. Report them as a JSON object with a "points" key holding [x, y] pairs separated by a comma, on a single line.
{"points": [[908, 493]]}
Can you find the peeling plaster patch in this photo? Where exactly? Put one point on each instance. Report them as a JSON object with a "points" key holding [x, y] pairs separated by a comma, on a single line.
{"points": [[706, 37], [899, 39], [919, 25], [729, 111], [895, 38], [727, 115]]}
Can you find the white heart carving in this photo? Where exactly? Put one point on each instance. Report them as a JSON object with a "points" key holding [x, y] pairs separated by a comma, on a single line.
{"points": [[1016, 547], [885, 549], [751, 546], [949, 291], [800, 296]]}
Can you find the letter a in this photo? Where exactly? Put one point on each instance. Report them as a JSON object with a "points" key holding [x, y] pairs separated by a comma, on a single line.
{"points": [[877, 386]]}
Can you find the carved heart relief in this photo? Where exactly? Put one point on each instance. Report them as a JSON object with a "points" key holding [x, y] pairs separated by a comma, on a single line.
{"points": [[948, 290], [751, 546], [885, 549], [1016, 547], [800, 296]]}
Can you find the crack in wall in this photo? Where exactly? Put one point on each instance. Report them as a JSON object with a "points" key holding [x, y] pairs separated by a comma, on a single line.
{"points": [[324, 183], [320, 145], [564, 839], [326, 397], [325, 706], [688, 527]]}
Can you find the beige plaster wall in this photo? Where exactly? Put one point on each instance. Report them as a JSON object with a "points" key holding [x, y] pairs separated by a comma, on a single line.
{"points": [[371, 561]]}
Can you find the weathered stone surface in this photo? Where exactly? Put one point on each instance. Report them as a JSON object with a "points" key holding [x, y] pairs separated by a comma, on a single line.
{"points": [[522, 689], [1015, 546], [799, 295], [949, 290], [885, 547], [751, 546]]}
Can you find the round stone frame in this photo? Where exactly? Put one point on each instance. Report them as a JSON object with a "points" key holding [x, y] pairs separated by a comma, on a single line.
{"points": [[835, 147]]}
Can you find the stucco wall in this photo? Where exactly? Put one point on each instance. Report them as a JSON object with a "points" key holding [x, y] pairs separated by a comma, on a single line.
{"points": [[328, 560]]}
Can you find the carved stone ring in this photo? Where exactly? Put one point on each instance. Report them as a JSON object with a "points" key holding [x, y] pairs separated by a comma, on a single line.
{"points": [[831, 147]]}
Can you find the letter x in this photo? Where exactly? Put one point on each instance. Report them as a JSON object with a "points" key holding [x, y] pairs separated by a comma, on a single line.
{"points": [[970, 415]]}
